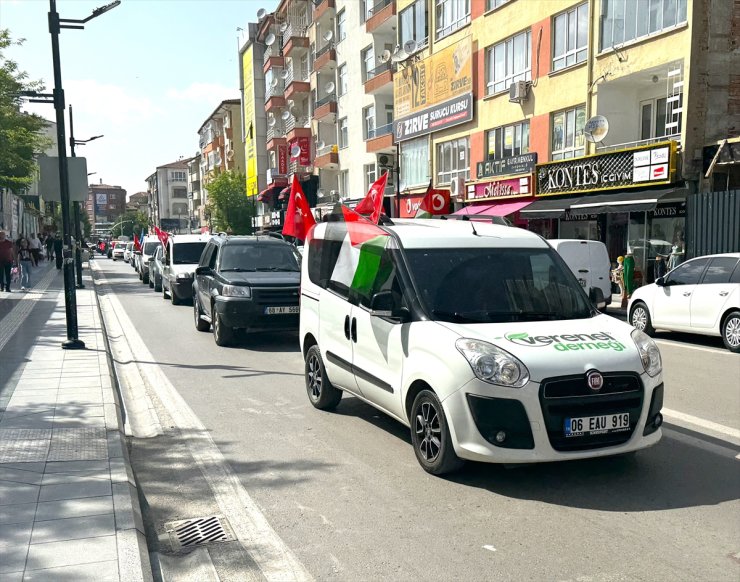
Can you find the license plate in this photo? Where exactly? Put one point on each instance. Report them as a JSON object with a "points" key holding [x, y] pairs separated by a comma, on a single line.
{"points": [[281, 310], [592, 425]]}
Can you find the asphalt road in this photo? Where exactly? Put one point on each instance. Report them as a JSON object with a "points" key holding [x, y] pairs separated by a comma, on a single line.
{"points": [[344, 492]]}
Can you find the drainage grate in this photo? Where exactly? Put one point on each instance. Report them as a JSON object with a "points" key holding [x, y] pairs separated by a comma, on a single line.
{"points": [[198, 531]]}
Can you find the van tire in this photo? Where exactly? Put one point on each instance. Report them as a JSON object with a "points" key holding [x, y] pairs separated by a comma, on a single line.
{"points": [[640, 318], [321, 393], [157, 286], [730, 329], [436, 455]]}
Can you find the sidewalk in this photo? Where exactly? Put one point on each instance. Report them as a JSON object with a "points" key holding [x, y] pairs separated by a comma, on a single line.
{"points": [[68, 501]]}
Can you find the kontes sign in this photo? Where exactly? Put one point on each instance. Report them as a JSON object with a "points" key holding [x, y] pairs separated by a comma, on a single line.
{"points": [[632, 168]]}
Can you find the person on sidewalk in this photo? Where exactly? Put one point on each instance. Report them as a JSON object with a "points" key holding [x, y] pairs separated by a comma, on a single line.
{"points": [[25, 260], [49, 242], [58, 250], [7, 256], [34, 244]]}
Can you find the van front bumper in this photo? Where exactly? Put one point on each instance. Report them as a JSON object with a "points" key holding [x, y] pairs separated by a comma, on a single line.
{"points": [[527, 425]]}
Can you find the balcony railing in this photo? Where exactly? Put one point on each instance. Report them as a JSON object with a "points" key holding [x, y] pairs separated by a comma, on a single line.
{"points": [[276, 131], [377, 71], [296, 74], [324, 49], [379, 131], [294, 29], [324, 100], [328, 149], [375, 8], [271, 51], [277, 90], [633, 144]]}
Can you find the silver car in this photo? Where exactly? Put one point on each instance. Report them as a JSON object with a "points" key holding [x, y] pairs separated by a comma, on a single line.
{"points": [[155, 270]]}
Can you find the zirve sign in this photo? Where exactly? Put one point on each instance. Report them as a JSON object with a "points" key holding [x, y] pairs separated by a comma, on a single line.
{"points": [[568, 341]]}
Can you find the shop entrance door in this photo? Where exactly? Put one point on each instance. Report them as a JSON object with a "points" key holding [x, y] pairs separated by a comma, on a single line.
{"points": [[616, 234]]}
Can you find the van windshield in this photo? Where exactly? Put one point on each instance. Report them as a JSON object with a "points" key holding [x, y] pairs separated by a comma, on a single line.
{"points": [[150, 247], [187, 253], [485, 285]]}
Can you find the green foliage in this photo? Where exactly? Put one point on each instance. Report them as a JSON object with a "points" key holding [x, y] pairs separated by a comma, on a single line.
{"points": [[20, 133], [129, 223], [230, 208]]}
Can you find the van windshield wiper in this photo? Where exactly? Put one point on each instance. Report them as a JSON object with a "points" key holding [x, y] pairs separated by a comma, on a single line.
{"points": [[525, 315], [276, 269], [237, 269], [459, 316]]}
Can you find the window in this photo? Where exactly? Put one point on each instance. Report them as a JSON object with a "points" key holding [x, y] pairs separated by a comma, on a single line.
{"points": [[568, 140], [688, 273], [342, 79], [504, 142], [661, 117], [413, 24], [627, 20], [451, 15], [508, 61], [368, 113], [179, 176], [719, 270], [414, 163], [453, 160], [366, 10], [571, 37], [371, 175], [368, 62], [179, 209], [344, 183], [491, 4], [343, 133], [341, 26], [179, 193]]}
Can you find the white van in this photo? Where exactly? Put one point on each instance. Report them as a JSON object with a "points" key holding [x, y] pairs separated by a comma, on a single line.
{"points": [[589, 262], [149, 245], [178, 265], [476, 336]]}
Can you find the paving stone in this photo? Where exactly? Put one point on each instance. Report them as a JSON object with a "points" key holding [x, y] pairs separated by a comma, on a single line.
{"points": [[12, 559], [40, 420], [71, 422], [80, 488], [72, 528], [74, 508], [18, 513], [78, 444], [15, 534], [18, 445], [20, 476], [12, 493], [95, 572], [72, 466], [59, 478], [71, 552]]}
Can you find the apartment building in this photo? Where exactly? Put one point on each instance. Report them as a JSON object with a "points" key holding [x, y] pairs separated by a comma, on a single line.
{"points": [[167, 189], [138, 202], [196, 197], [104, 205]]}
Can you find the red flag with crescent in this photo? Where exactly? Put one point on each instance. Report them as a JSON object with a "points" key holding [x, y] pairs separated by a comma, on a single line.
{"points": [[298, 216], [435, 202], [372, 204]]}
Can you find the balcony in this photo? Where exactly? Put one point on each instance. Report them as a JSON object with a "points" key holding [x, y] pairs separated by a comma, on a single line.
{"points": [[380, 140], [296, 81], [379, 80], [273, 58], [327, 157], [381, 17], [275, 137], [325, 107], [297, 128], [275, 95], [322, 8], [295, 38], [325, 57]]}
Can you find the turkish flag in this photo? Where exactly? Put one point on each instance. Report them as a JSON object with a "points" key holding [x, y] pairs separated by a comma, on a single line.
{"points": [[137, 244], [298, 217], [372, 204], [436, 201], [162, 236]]}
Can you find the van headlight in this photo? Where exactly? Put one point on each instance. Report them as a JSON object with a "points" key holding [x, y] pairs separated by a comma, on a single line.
{"points": [[649, 353], [492, 364], [236, 291]]}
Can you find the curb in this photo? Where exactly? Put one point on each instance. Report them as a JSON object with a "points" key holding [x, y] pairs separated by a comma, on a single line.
{"points": [[133, 553]]}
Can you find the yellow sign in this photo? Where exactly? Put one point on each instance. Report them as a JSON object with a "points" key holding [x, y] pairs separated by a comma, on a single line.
{"points": [[435, 79], [250, 129]]}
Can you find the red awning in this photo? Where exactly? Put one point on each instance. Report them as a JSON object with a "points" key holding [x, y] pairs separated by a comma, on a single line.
{"points": [[284, 192], [496, 209]]}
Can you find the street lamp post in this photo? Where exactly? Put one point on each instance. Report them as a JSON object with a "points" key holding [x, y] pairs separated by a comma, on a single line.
{"points": [[76, 205]]}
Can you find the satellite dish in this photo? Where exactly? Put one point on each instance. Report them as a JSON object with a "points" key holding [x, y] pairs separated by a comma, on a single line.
{"points": [[409, 46], [320, 145], [328, 35], [270, 40], [283, 27], [284, 74], [261, 13], [285, 115], [295, 151], [271, 122], [385, 56], [399, 55], [596, 128], [329, 87], [274, 83]]}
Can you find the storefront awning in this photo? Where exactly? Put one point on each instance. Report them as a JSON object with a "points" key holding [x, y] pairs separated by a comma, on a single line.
{"points": [[495, 209], [638, 201], [548, 208], [284, 193]]}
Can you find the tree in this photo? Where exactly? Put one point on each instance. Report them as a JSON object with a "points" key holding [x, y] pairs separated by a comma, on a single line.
{"points": [[129, 223], [20, 133], [231, 209]]}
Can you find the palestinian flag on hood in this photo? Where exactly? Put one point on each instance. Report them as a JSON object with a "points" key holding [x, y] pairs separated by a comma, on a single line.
{"points": [[359, 265]]}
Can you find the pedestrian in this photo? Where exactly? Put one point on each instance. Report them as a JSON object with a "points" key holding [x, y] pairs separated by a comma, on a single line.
{"points": [[58, 250], [49, 243], [7, 256], [34, 244], [25, 260]]}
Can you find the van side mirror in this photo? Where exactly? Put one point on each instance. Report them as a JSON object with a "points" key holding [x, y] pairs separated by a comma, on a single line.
{"points": [[204, 270], [597, 297], [383, 304]]}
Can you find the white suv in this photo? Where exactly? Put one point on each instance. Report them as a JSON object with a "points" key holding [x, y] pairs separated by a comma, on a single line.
{"points": [[477, 337]]}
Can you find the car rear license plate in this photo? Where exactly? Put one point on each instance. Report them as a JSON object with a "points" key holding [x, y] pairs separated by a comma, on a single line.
{"points": [[603, 424], [281, 310]]}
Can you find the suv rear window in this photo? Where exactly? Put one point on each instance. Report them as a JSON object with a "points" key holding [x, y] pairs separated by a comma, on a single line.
{"points": [[258, 257], [188, 253]]}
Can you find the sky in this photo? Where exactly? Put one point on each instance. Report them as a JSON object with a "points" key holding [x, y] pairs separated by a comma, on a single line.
{"points": [[145, 75]]}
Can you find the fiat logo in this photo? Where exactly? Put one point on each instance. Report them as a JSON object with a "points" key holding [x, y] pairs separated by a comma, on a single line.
{"points": [[595, 381]]}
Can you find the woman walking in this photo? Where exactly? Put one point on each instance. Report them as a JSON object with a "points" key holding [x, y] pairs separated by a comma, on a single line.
{"points": [[25, 260]]}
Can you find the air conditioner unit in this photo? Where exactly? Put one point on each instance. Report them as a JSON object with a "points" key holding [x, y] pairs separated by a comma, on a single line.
{"points": [[518, 91], [457, 187]]}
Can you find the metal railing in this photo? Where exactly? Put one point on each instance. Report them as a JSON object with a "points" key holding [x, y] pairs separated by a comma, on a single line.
{"points": [[275, 131], [328, 149], [380, 131], [294, 29], [324, 100], [271, 51], [324, 49], [278, 89], [375, 8], [633, 144], [377, 71]]}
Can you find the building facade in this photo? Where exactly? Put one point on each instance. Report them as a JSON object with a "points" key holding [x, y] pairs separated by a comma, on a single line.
{"points": [[104, 205], [167, 190], [196, 199]]}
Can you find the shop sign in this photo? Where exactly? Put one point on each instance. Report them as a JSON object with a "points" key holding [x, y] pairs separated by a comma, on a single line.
{"points": [[453, 112], [282, 155], [670, 210], [409, 205], [304, 156], [521, 164], [508, 188], [632, 168]]}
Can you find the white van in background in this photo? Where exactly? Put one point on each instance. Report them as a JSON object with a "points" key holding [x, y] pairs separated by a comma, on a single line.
{"points": [[589, 261]]}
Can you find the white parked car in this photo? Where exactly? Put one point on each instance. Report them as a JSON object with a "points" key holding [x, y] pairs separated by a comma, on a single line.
{"points": [[118, 251], [701, 296], [480, 340]]}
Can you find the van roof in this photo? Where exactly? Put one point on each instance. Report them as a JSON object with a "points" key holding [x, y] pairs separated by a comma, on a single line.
{"points": [[185, 238]]}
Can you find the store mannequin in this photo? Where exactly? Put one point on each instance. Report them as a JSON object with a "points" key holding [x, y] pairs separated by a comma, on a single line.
{"points": [[629, 274], [618, 278]]}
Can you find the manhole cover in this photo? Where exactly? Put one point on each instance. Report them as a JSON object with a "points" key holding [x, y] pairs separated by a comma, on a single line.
{"points": [[198, 531]]}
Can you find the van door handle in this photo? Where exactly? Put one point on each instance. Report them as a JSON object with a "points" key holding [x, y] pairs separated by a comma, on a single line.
{"points": [[346, 326], [724, 293], [687, 294], [583, 270], [354, 329]]}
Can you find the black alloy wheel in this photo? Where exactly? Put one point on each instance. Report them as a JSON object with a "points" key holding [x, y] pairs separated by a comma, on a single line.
{"points": [[321, 392], [223, 335], [200, 324], [430, 435]]}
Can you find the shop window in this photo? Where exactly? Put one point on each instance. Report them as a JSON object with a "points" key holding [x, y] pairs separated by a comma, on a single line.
{"points": [[624, 21], [507, 141], [661, 117], [451, 15], [414, 163], [453, 160], [341, 25], [570, 40], [412, 24], [508, 61], [343, 133], [568, 140]]}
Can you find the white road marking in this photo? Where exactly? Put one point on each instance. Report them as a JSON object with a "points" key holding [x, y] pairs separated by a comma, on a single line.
{"points": [[489, 547], [695, 421], [274, 558], [693, 347], [716, 449]]}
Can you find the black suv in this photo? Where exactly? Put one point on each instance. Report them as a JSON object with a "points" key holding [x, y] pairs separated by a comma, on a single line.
{"points": [[246, 282]]}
